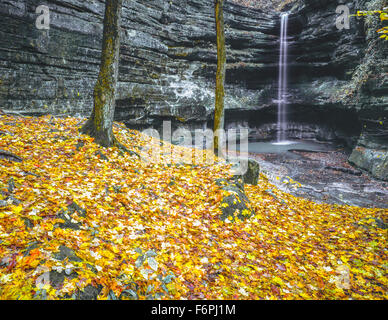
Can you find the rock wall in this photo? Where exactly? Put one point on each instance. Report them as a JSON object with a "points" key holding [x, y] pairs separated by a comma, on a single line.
{"points": [[168, 61], [345, 70]]}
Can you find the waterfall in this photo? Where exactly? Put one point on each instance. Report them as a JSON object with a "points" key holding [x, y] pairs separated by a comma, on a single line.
{"points": [[282, 85]]}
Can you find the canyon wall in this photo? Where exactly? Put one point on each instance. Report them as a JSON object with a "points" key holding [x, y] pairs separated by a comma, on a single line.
{"points": [[167, 64], [168, 61], [345, 70]]}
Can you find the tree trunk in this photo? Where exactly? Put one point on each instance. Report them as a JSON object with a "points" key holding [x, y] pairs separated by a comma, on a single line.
{"points": [[100, 123], [220, 76]]}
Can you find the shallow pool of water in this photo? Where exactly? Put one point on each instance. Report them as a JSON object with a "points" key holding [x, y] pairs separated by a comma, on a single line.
{"points": [[284, 146]]}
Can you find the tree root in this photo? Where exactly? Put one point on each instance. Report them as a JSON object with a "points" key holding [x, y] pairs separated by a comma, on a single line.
{"points": [[10, 156], [11, 113], [89, 129], [122, 148]]}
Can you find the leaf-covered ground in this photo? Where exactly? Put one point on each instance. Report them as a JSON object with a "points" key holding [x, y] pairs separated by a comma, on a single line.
{"points": [[77, 221]]}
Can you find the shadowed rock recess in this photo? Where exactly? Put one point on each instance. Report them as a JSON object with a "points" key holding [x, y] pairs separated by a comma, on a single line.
{"points": [[168, 62]]}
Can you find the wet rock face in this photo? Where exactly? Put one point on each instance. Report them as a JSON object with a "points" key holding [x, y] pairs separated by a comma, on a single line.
{"points": [[324, 177], [346, 70], [236, 204], [168, 63], [371, 159], [253, 172]]}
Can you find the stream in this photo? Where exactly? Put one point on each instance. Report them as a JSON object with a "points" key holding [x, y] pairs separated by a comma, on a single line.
{"points": [[322, 171]]}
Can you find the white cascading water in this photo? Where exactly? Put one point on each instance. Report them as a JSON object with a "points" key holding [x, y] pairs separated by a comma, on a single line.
{"points": [[282, 85]]}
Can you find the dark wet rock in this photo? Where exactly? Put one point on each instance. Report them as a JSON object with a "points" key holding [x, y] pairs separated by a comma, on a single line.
{"points": [[79, 145], [381, 224], [8, 198], [31, 246], [5, 261], [57, 278], [253, 172], [74, 207], [89, 293], [236, 204], [371, 222], [251, 168], [11, 185], [92, 268], [67, 216], [128, 295], [13, 200], [101, 155], [28, 223], [28, 173], [117, 189], [372, 160], [65, 252], [10, 156], [130, 292], [68, 225], [62, 138], [345, 170], [313, 181]]}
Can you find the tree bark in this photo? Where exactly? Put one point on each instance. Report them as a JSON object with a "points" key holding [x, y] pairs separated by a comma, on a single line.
{"points": [[220, 76], [100, 123]]}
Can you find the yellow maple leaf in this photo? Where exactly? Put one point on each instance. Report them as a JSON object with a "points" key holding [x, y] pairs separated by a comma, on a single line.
{"points": [[278, 281], [17, 209]]}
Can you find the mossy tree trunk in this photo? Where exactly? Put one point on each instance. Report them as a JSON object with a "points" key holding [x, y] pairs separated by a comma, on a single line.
{"points": [[100, 123], [220, 76]]}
